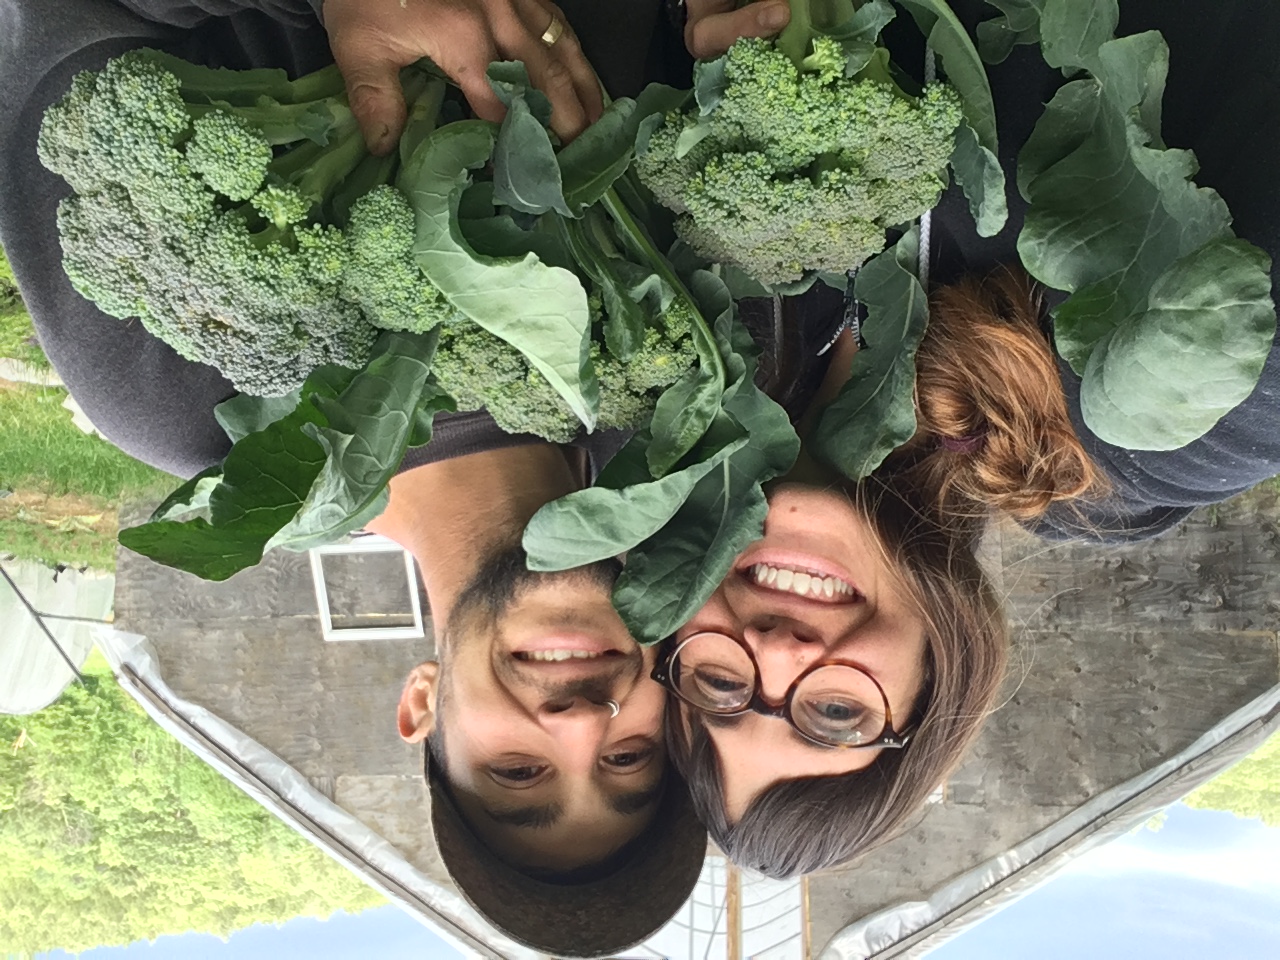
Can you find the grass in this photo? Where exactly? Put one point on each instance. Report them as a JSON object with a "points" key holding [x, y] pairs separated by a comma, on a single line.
{"points": [[64, 486], [61, 488], [17, 335]]}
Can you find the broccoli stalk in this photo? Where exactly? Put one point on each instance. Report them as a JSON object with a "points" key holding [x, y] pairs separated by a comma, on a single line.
{"points": [[792, 166]]}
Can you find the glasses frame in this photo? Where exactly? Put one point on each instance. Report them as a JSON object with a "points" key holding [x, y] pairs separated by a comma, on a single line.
{"points": [[888, 737]]}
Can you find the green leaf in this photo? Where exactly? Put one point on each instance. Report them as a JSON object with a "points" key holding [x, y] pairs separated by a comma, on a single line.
{"points": [[1110, 210], [1167, 374], [598, 156], [526, 173], [242, 414], [265, 480], [671, 575], [539, 309], [364, 436], [510, 81], [686, 409], [501, 236], [624, 316], [433, 400], [964, 68], [592, 524], [1018, 24], [1072, 31], [709, 84], [652, 106], [978, 172], [866, 24], [191, 499], [874, 413]]}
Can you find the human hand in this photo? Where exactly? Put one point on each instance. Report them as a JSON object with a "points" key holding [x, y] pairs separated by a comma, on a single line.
{"points": [[713, 25], [373, 39]]}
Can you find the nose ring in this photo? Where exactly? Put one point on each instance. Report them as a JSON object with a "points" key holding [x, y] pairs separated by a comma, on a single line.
{"points": [[614, 709]]}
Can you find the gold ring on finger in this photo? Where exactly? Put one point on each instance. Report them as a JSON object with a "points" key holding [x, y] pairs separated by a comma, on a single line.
{"points": [[554, 31]]}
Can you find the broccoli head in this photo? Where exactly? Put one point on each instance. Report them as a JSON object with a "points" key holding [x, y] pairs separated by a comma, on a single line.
{"points": [[382, 275], [482, 371], [204, 207], [798, 168]]}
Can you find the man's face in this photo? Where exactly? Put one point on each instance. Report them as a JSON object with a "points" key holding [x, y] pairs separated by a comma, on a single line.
{"points": [[541, 769]]}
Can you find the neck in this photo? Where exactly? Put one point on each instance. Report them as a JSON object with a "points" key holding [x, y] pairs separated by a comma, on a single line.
{"points": [[454, 514], [807, 469]]}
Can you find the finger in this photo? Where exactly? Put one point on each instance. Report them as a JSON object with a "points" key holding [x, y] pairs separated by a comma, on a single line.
{"points": [[375, 96], [570, 51], [710, 30], [465, 60], [546, 72]]}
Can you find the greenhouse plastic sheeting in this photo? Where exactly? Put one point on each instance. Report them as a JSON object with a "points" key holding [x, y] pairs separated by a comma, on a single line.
{"points": [[979, 893], [285, 792]]}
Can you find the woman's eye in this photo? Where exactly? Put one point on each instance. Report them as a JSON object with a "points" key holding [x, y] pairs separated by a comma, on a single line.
{"points": [[836, 711], [517, 774], [719, 682]]}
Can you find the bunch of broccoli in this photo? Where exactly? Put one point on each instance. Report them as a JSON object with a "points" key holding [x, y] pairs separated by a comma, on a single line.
{"points": [[789, 166], [198, 209], [239, 216]]}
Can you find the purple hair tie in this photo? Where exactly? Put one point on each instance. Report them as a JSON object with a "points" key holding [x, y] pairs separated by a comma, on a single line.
{"points": [[966, 444]]}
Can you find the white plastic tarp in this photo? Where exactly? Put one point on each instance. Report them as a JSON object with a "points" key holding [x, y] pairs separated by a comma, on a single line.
{"points": [[32, 671], [287, 794], [987, 889]]}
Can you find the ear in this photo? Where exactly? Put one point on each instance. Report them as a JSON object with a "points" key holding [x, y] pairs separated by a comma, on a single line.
{"points": [[416, 715]]}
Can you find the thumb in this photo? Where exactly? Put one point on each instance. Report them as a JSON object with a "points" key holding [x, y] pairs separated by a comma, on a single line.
{"points": [[373, 90]]}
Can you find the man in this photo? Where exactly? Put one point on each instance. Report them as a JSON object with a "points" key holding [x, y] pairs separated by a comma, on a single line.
{"points": [[552, 801], [550, 798]]}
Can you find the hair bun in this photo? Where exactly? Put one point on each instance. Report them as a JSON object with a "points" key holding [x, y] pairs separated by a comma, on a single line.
{"points": [[993, 429]]}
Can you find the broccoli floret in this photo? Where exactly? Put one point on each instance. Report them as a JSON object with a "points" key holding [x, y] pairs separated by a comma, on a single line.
{"points": [[658, 363], [382, 275], [799, 168], [204, 207], [483, 372]]}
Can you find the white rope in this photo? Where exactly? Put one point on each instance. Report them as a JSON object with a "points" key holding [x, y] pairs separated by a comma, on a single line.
{"points": [[926, 221]]}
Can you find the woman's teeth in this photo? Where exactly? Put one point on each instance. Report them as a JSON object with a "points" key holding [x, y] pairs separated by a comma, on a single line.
{"points": [[553, 656], [802, 583]]}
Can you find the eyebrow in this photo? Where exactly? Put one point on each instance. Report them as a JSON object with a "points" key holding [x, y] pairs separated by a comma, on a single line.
{"points": [[629, 804], [544, 817], [538, 817]]}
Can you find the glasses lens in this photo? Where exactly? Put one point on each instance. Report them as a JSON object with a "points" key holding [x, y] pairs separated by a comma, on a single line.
{"points": [[714, 673], [839, 705]]}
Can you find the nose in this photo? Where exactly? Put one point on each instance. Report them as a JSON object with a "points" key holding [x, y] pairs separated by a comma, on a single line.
{"points": [[580, 726], [783, 649]]}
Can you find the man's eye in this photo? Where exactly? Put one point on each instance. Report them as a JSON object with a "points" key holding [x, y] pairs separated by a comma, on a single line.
{"points": [[517, 774], [631, 758]]}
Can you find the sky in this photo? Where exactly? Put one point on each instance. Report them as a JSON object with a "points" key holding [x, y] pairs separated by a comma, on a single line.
{"points": [[1206, 885]]}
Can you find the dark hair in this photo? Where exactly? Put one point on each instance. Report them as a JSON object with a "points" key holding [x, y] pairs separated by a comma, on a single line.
{"points": [[805, 824]]}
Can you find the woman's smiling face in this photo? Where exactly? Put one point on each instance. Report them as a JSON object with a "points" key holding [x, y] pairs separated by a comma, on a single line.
{"points": [[816, 587]]}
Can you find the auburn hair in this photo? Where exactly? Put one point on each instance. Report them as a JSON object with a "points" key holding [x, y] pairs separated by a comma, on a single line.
{"points": [[993, 429]]}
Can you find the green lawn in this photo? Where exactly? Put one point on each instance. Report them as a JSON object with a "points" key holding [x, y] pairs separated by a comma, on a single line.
{"points": [[16, 333], [60, 489]]}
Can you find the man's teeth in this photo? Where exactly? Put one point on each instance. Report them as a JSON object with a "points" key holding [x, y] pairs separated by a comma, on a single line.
{"points": [[553, 656], [800, 582]]}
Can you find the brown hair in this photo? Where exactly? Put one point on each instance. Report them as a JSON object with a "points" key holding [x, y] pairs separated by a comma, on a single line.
{"points": [[986, 376], [805, 824]]}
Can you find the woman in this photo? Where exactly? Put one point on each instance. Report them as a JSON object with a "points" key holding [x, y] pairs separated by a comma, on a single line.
{"points": [[796, 766]]}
